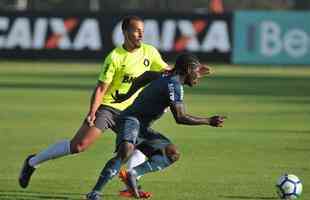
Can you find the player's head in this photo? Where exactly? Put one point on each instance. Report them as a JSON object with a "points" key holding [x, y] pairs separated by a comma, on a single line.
{"points": [[186, 65], [133, 30]]}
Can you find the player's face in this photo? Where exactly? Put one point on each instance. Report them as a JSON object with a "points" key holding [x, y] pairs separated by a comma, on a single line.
{"points": [[191, 78], [134, 34]]}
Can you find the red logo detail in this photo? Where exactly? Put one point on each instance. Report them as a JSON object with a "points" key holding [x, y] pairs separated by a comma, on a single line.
{"points": [[53, 41], [199, 26]]}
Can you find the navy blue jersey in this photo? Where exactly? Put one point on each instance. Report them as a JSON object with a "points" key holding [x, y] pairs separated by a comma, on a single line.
{"points": [[155, 98]]}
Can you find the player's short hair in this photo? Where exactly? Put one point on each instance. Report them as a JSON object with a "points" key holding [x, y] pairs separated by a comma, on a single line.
{"points": [[185, 62], [127, 19]]}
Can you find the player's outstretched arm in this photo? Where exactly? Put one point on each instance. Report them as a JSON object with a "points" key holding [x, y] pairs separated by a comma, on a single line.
{"points": [[138, 83], [203, 70], [180, 116]]}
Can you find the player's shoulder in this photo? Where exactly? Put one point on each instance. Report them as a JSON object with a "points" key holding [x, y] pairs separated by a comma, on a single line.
{"points": [[116, 54], [173, 79], [149, 48], [167, 80]]}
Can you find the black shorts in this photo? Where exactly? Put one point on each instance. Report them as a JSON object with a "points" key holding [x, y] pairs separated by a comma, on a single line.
{"points": [[106, 118], [145, 138]]}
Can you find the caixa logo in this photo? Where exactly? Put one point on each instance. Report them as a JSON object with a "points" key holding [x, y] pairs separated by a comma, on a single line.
{"points": [[49, 33], [179, 35]]}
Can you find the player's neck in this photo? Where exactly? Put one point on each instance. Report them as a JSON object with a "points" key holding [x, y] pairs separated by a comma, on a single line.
{"points": [[180, 78], [129, 48]]}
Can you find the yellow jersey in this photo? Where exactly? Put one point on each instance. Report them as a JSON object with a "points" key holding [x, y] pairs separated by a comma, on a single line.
{"points": [[121, 67]]}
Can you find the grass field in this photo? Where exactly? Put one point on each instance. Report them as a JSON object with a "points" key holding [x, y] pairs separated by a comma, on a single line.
{"points": [[267, 133]]}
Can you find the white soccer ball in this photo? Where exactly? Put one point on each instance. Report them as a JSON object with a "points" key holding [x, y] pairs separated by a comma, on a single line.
{"points": [[289, 187]]}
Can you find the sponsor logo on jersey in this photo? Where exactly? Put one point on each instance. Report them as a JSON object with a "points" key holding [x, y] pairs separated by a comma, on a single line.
{"points": [[128, 79], [171, 91], [146, 62]]}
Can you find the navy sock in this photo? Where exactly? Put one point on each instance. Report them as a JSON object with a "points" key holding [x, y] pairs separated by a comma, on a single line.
{"points": [[155, 163], [109, 171]]}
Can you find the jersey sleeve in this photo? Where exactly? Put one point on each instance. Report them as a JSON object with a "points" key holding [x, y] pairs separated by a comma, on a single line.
{"points": [[108, 70], [175, 92], [158, 64]]}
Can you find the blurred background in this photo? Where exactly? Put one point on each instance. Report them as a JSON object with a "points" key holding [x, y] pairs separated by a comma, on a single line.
{"points": [[263, 32], [160, 5]]}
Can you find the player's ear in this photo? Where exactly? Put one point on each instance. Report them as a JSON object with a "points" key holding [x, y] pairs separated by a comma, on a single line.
{"points": [[125, 33]]}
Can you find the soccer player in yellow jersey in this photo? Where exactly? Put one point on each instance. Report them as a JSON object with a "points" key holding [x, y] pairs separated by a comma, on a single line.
{"points": [[120, 68]]}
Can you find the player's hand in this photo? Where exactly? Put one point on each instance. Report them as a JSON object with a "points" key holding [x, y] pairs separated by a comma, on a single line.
{"points": [[203, 70], [119, 98], [217, 121], [91, 119]]}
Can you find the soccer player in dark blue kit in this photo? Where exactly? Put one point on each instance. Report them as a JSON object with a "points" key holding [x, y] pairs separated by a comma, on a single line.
{"points": [[135, 123]]}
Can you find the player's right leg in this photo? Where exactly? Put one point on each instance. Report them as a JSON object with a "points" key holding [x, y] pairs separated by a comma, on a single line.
{"points": [[136, 159], [84, 138], [161, 153], [81, 141], [159, 160]]}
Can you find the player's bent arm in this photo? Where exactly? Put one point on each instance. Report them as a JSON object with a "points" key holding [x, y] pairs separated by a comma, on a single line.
{"points": [[180, 116], [178, 111], [97, 96], [138, 83], [144, 79]]}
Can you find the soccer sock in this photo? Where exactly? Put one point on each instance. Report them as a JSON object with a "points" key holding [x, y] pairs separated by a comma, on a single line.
{"points": [[109, 171], [156, 163], [136, 159], [57, 150]]}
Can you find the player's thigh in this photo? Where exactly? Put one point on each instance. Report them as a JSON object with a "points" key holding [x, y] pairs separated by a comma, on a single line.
{"points": [[155, 139], [128, 131], [156, 143], [105, 119], [151, 142], [84, 137]]}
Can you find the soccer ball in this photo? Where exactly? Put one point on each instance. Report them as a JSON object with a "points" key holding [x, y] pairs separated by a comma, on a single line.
{"points": [[289, 187]]}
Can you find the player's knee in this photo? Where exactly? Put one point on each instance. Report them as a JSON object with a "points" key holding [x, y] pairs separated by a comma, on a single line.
{"points": [[126, 149], [84, 139], [78, 147], [172, 153]]}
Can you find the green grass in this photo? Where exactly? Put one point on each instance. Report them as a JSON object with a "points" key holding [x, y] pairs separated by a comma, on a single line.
{"points": [[267, 133]]}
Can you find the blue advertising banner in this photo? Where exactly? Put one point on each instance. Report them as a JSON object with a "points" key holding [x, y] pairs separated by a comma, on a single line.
{"points": [[271, 38]]}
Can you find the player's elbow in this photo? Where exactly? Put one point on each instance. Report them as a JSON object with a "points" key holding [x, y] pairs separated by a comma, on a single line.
{"points": [[180, 119], [101, 87]]}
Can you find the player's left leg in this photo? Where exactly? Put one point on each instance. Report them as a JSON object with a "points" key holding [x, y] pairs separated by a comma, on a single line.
{"points": [[126, 138], [111, 169]]}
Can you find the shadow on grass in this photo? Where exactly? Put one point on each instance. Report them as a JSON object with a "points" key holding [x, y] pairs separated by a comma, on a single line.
{"points": [[219, 85], [46, 86], [252, 85], [247, 197], [268, 131], [52, 75], [33, 195]]}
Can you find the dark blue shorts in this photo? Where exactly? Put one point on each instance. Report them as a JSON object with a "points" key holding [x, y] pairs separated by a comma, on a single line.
{"points": [[131, 130]]}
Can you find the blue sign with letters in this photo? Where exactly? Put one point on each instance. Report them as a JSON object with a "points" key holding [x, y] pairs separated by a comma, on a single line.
{"points": [[271, 37]]}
